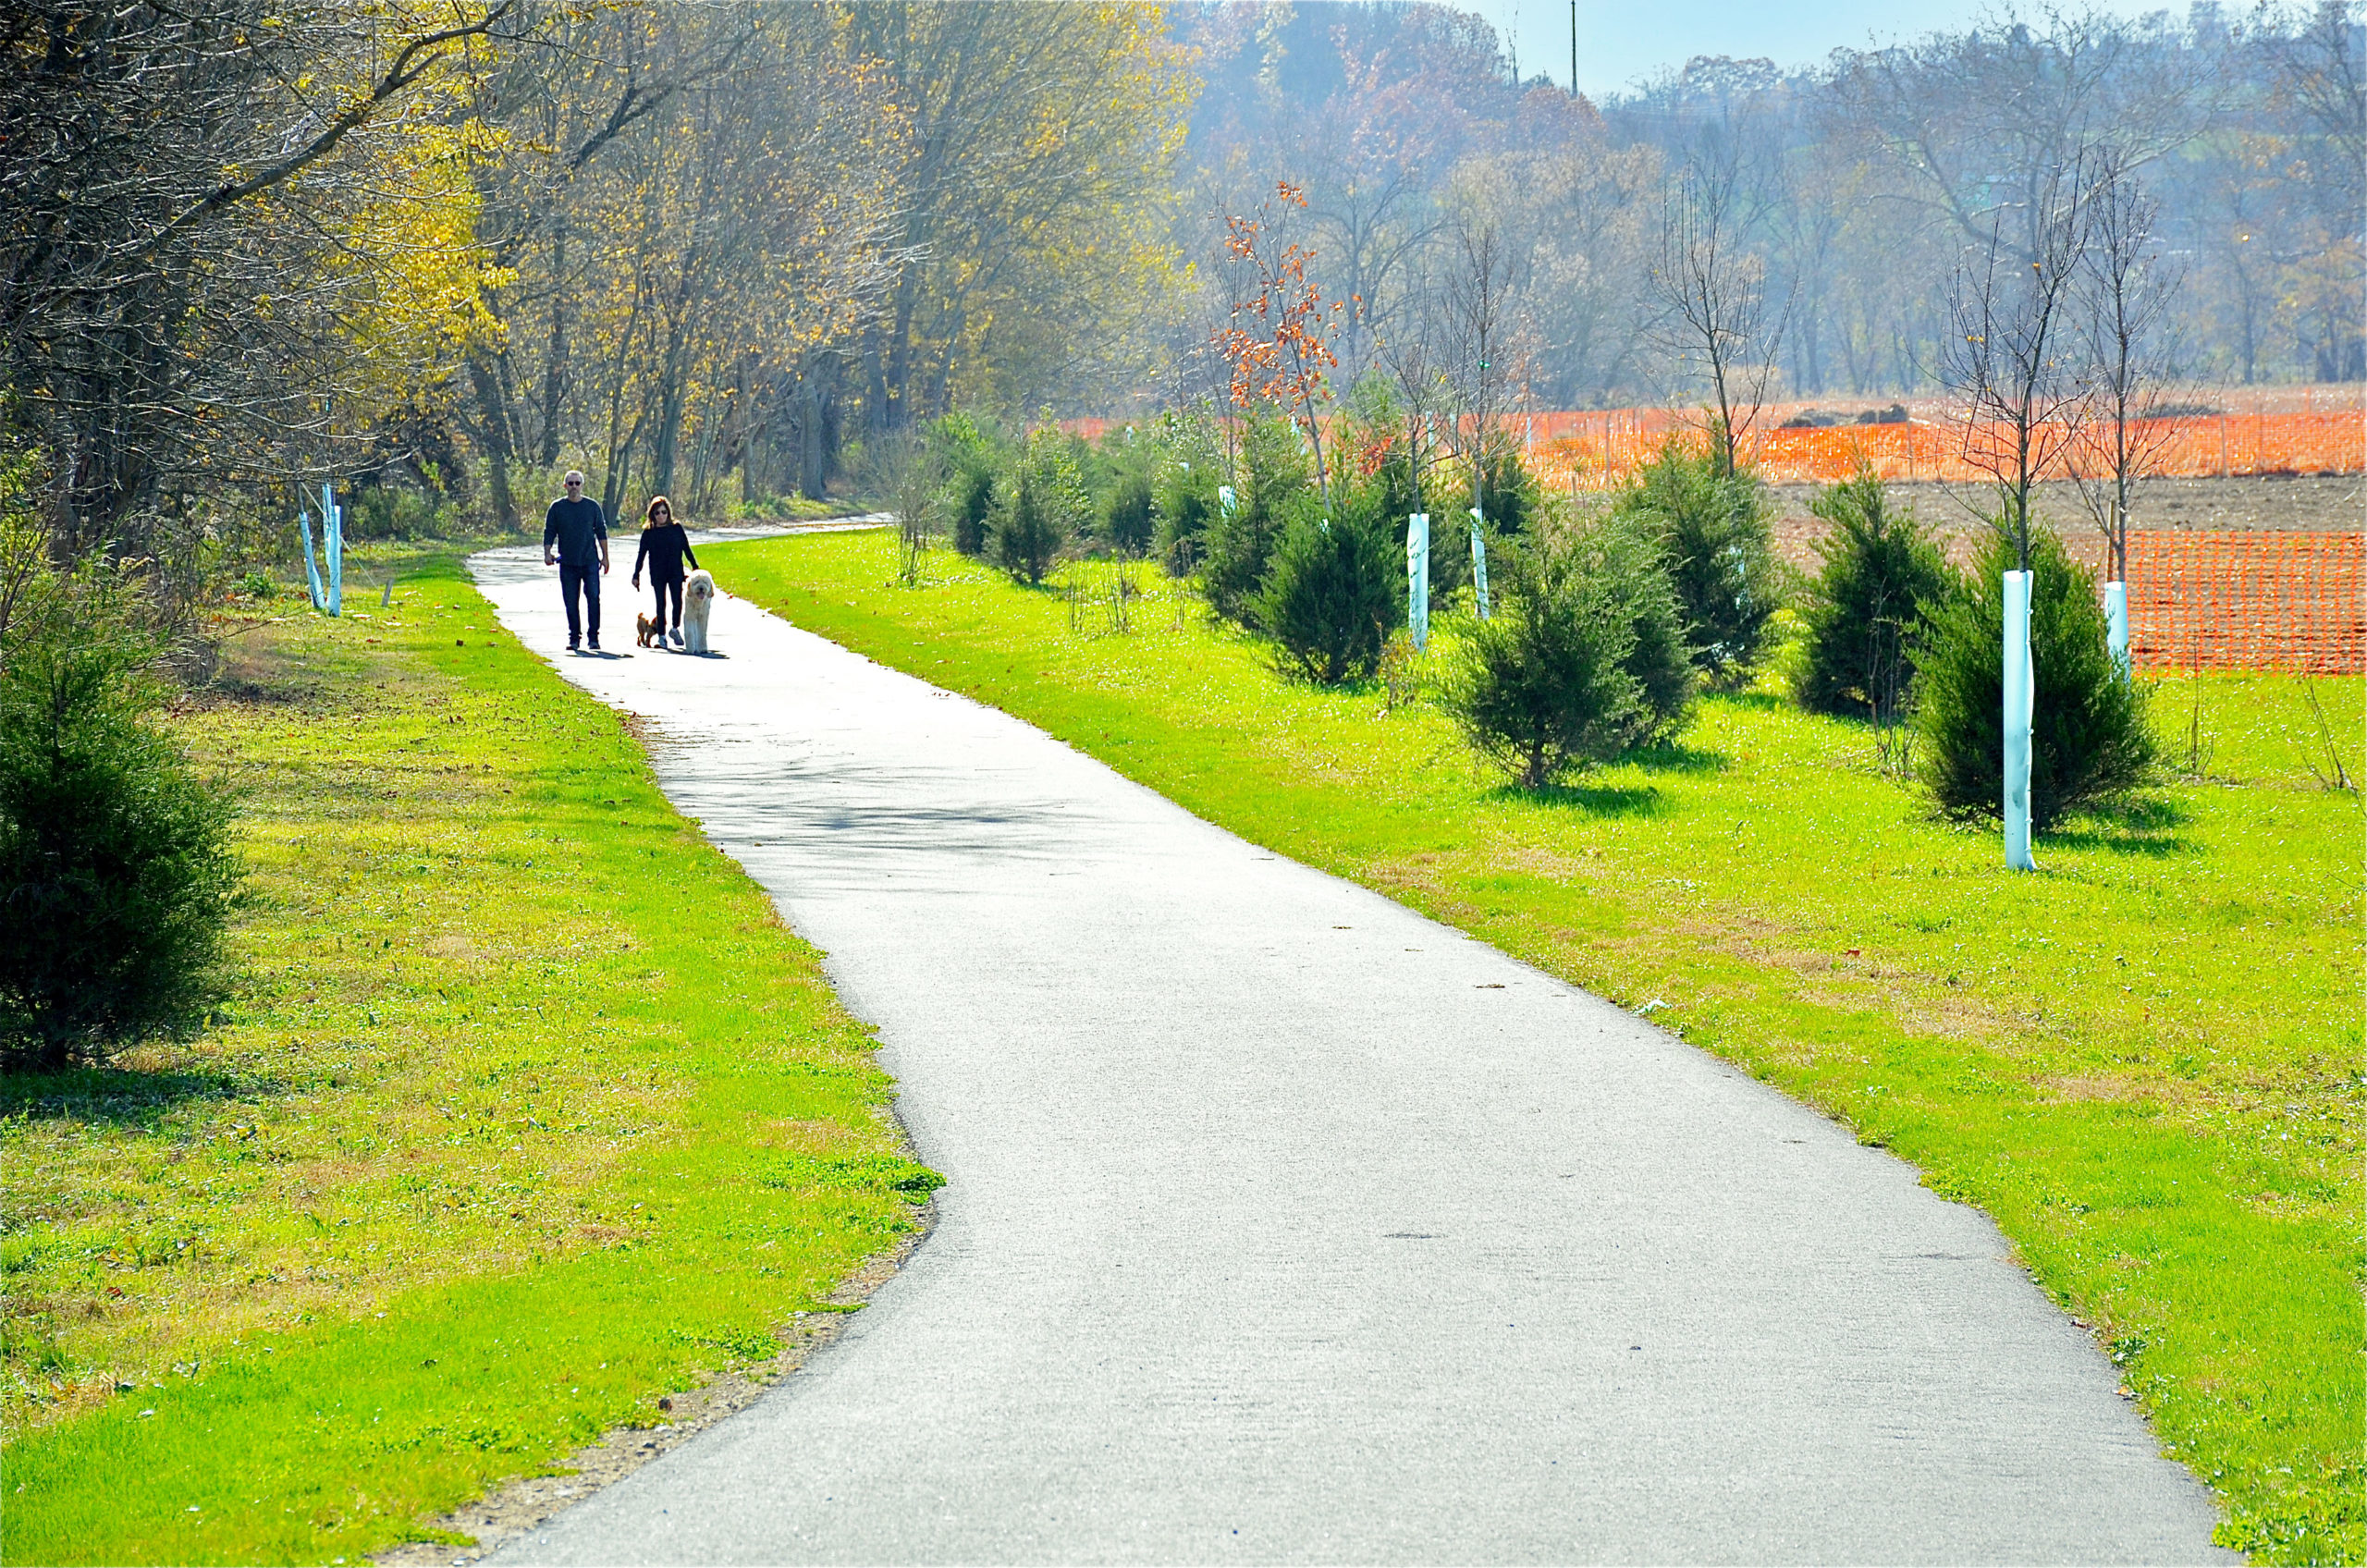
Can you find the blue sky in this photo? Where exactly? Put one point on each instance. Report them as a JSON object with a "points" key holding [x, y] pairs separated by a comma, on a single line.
{"points": [[1623, 41]]}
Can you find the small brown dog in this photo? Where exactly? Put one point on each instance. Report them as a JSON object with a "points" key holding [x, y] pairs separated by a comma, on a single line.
{"points": [[647, 628]]}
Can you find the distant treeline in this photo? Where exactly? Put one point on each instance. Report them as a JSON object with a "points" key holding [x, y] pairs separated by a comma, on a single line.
{"points": [[1858, 186], [438, 252]]}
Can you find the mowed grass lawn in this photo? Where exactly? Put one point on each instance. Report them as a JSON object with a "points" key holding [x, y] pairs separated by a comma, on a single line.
{"points": [[530, 1112], [2144, 1061]]}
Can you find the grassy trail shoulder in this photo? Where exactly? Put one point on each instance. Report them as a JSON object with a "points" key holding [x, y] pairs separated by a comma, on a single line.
{"points": [[2144, 1062], [531, 1113]]}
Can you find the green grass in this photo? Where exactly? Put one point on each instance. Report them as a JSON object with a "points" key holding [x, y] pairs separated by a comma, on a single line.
{"points": [[2144, 1061], [531, 1111]]}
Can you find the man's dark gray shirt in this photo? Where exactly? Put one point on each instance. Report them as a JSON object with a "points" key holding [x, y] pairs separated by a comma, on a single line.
{"points": [[578, 529]]}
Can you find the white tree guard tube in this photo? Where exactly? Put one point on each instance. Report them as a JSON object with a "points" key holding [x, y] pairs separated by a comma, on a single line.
{"points": [[1418, 578], [312, 573], [1479, 565], [2021, 706], [335, 548], [2116, 625]]}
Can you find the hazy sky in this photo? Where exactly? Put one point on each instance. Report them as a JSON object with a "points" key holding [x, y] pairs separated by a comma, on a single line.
{"points": [[1622, 42]]}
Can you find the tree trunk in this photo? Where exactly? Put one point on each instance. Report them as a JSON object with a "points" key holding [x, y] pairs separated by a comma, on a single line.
{"points": [[880, 413], [669, 431], [493, 435], [812, 479], [555, 359], [612, 486]]}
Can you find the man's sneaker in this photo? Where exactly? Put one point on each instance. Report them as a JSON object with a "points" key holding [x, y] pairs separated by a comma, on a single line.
{"points": [[676, 635], [595, 644], [571, 647]]}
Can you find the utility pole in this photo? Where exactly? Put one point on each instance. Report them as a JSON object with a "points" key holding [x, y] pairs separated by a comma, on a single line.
{"points": [[1573, 48]]}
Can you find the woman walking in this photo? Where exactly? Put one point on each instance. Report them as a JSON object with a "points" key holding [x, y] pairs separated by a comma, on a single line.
{"points": [[664, 547]]}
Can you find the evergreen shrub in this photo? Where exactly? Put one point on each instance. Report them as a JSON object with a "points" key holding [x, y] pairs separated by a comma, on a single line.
{"points": [[2089, 740], [116, 876], [1515, 504], [1126, 522], [1714, 533], [1183, 504], [1374, 444], [1450, 523], [1237, 546], [1511, 497], [1039, 508], [970, 495], [967, 456], [1334, 589], [1626, 564], [1548, 686], [1864, 612], [1186, 466]]}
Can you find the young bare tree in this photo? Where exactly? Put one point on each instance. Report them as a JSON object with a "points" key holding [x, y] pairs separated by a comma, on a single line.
{"points": [[1408, 351], [909, 470], [1477, 329], [2013, 356], [1715, 317], [2124, 290]]}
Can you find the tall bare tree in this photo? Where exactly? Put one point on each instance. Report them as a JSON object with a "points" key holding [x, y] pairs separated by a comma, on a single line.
{"points": [[1370, 161], [2322, 72], [1716, 321], [2321, 88], [743, 231], [1577, 210], [1982, 121], [588, 95], [1042, 139]]}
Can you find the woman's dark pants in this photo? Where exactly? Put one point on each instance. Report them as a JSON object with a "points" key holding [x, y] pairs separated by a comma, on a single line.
{"points": [[662, 586]]}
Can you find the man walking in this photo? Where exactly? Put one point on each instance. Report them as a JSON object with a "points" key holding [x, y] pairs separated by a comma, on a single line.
{"points": [[574, 524]]}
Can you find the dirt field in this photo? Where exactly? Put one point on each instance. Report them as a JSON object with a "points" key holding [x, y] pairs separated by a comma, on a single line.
{"points": [[2309, 505]]}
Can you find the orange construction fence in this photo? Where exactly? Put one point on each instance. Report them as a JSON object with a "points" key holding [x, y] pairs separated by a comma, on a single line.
{"points": [[1597, 450], [2257, 600], [2282, 431]]}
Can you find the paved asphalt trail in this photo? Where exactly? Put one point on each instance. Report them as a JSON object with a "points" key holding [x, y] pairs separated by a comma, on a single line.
{"points": [[1284, 1225]]}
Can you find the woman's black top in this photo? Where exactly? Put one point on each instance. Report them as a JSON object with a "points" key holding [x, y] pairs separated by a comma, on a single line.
{"points": [[665, 547]]}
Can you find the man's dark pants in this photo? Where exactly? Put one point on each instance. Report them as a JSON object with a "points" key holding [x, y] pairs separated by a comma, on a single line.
{"points": [[584, 579]]}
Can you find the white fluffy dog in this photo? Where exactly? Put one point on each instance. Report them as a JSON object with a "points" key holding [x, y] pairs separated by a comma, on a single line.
{"points": [[698, 603]]}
